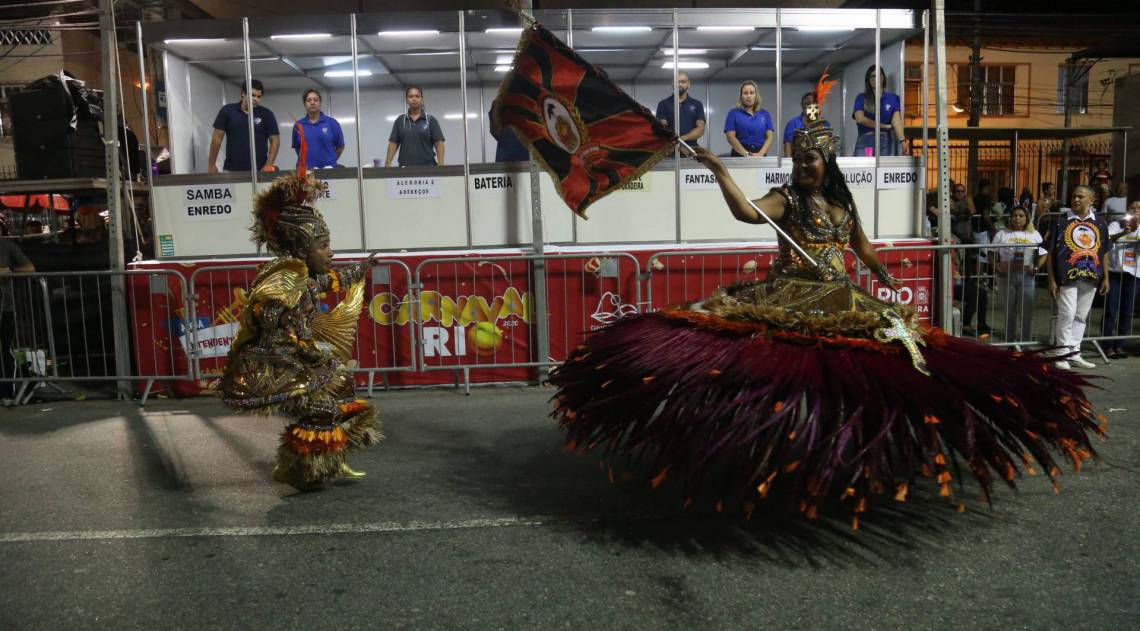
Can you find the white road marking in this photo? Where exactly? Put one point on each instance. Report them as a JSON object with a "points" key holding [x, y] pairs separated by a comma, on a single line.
{"points": [[263, 531]]}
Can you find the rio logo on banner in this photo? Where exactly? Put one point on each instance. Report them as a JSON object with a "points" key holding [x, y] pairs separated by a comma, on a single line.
{"points": [[458, 323]]}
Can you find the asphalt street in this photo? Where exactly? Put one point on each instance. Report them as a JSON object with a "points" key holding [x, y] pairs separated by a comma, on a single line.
{"points": [[473, 516]]}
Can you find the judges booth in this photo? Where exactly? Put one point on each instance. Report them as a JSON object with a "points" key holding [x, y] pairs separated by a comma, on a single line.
{"points": [[361, 64], [439, 303]]}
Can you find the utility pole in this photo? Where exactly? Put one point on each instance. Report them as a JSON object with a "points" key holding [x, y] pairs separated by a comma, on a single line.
{"points": [[945, 278], [977, 95], [114, 193], [1066, 144]]}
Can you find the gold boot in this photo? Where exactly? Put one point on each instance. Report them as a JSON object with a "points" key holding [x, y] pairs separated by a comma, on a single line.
{"points": [[350, 473]]}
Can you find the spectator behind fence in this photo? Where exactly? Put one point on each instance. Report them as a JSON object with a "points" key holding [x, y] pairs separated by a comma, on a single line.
{"points": [[1078, 257], [1117, 205], [792, 125], [748, 127], [1001, 209], [1016, 267], [1122, 273], [692, 112], [880, 115], [324, 140], [232, 123], [975, 273], [1101, 176], [1025, 200], [416, 134], [1047, 203], [12, 259]]}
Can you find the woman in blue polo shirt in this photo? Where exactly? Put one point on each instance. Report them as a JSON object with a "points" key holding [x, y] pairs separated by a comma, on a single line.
{"points": [[867, 116], [323, 137], [747, 126]]}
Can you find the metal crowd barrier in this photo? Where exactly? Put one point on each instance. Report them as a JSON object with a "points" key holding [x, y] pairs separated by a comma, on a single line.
{"points": [[468, 335], [66, 335], [993, 303], [669, 275], [468, 313], [219, 293]]}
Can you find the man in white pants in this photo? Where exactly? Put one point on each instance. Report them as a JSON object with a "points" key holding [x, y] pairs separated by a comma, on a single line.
{"points": [[1078, 248]]}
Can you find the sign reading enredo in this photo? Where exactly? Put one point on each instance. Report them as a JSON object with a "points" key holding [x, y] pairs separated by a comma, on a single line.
{"points": [[413, 187], [638, 184], [698, 180], [898, 177], [209, 202], [213, 341], [770, 178], [489, 183]]}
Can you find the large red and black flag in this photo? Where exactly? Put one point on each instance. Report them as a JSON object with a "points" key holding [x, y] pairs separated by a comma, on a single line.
{"points": [[584, 130]]}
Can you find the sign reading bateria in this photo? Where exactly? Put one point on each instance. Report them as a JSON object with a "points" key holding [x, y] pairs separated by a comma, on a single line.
{"points": [[209, 202]]}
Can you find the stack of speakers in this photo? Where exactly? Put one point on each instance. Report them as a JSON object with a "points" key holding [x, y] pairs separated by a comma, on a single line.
{"points": [[46, 144]]}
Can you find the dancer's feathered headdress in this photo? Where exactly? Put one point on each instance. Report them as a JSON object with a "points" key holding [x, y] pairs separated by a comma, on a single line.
{"points": [[285, 221], [815, 134]]}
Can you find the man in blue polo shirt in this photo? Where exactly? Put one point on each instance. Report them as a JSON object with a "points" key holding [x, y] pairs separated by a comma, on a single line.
{"points": [[232, 123], [798, 122], [324, 140], [692, 112]]}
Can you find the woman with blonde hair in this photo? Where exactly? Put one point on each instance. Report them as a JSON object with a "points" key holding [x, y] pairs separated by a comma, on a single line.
{"points": [[748, 127]]}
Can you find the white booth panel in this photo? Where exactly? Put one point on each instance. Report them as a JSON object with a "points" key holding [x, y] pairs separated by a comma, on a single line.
{"points": [[500, 209], [435, 220], [645, 212], [203, 219], [557, 218], [705, 215], [896, 214]]}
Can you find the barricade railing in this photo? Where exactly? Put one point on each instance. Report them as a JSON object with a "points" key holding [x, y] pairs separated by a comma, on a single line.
{"points": [[66, 334], [478, 312], [676, 277], [384, 350], [219, 293], [999, 301]]}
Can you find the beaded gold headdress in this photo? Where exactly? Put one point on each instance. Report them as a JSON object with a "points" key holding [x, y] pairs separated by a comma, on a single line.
{"points": [[815, 134], [286, 222]]}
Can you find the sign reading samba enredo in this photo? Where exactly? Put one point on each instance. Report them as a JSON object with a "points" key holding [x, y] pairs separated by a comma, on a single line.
{"points": [[698, 180], [898, 177], [209, 202], [413, 187], [212, 341]]}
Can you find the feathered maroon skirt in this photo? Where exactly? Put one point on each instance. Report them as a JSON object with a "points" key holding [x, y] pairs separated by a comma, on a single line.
{"points": [[742, 395]]}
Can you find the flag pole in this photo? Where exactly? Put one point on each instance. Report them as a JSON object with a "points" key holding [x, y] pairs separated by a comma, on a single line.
{"points": [[775, 226]]}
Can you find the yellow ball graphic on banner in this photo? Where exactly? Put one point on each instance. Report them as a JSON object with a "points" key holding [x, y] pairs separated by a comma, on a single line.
{"points": [[485, 337]]}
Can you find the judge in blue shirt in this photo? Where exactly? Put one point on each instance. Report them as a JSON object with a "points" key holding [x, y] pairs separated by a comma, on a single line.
{"points": [[868, 116], [692, 112], [790, 128], [324, 139], [747, 126]]}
